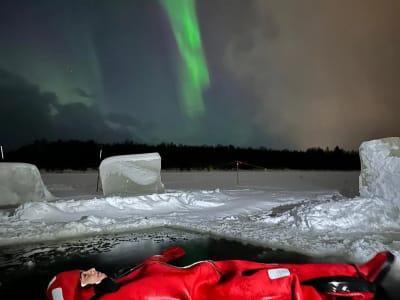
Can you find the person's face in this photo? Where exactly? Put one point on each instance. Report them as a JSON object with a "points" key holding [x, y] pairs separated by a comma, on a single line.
{"points": [[91, 276]]}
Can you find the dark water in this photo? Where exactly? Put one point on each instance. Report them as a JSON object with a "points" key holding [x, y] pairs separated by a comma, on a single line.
{"points": [[26, 270]]}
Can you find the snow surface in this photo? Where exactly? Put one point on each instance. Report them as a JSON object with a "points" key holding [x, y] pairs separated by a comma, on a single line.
{"points": [[135, 174], [311, 222], [380, 169]]}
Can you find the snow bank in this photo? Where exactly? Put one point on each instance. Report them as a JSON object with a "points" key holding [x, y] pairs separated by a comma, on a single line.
{"points": [[380, 169], [20, 183], [312, 223], [136, 174]]}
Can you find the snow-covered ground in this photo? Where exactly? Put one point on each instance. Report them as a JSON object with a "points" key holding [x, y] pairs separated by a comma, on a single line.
{"points": [[311, 212], [298, 213], [290, 210]]}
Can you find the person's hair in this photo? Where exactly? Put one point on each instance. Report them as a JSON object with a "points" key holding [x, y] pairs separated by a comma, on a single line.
{"points": [[107, 285]]}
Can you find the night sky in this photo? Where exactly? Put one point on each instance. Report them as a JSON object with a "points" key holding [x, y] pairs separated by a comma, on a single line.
{"points": [[274, 74]]}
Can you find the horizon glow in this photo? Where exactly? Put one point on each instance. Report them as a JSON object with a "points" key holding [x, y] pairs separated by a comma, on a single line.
{"points": [[194, 76]]}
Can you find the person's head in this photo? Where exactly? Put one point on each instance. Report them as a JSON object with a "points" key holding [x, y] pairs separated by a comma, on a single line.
{"points": [[77, 284], [91, 276]]}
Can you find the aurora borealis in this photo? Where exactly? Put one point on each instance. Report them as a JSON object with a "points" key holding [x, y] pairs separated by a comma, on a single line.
{"points": [[275, 73], [193, 75]]}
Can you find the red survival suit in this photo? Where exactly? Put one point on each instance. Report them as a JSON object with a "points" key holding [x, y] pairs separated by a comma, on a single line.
{"points": [[233, 280]]}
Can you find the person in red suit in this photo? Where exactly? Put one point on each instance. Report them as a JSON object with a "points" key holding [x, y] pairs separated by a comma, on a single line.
{"points": [[226, 279]]}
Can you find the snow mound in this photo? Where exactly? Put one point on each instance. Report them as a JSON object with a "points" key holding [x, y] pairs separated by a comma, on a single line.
{"points": [[380, 169], [20, 183], [135, 174]]}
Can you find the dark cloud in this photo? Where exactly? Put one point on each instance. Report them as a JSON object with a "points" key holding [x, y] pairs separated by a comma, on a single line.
{"points": [[324, 73], [28, 114], [24, 111], [82, 93], [126, 120], [78, 121]]}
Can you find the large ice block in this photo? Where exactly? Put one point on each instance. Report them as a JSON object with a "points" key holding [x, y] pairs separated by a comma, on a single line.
{"points": [[135, 174], [380, 169], [20, 183]]}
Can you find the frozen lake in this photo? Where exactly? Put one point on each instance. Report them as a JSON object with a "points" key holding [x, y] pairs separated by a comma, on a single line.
{"points": [[71, 183], [272, 216]]}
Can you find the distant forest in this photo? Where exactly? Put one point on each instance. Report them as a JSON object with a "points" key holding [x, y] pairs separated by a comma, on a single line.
{"points": [[83, 155]]}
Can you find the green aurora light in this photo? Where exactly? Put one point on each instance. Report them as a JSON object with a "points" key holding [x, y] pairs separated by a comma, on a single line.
{"points": [[194, 77]]}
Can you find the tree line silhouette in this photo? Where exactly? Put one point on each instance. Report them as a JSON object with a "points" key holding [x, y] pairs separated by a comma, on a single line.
{"points": [[83, 155]]}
